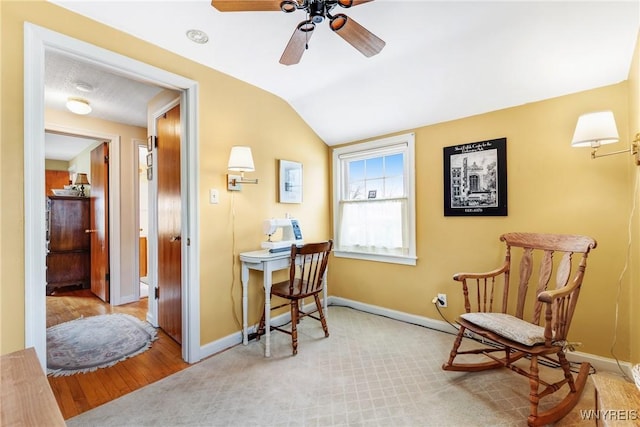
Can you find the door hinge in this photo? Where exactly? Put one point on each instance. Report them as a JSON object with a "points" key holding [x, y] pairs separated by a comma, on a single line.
{"points": [[106, 277], [188, 241], [106, 159], [156, 293]]}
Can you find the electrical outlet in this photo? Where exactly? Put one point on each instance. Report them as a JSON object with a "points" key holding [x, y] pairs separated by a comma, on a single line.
{"points": [[442, 300]]}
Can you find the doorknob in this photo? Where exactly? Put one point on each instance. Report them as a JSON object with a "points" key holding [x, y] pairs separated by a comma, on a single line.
{"points": [[175, 238], [90, 231]]}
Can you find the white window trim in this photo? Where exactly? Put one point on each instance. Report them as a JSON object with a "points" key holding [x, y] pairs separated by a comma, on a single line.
{"points": [[409, 139]]}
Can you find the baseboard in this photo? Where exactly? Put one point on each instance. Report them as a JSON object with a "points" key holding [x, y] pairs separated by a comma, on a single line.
{"points": [[598, 362], [222, 344], [438, 325], [236, 338]]}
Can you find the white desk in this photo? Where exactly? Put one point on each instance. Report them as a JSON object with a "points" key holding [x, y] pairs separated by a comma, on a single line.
{"points": [[266, 262]]}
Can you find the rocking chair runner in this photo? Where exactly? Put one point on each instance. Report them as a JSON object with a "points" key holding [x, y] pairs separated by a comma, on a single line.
{"points": [[486, 302]]}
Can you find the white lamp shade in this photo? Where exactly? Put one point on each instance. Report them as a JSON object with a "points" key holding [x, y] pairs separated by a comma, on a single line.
{"points": [[78, 106], [595, 129], [240, 159]]}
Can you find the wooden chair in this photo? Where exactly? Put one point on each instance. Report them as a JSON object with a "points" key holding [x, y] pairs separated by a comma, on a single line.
{"points": [[543, 334], [306, 274]]}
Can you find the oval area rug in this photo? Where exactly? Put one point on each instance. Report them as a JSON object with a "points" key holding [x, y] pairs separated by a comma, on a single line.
{"points": [[89, 343]]}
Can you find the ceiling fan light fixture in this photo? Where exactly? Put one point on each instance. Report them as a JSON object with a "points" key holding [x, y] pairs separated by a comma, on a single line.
{"points": [[78, 106], [338, 21], [288, 6], [306, 26]]}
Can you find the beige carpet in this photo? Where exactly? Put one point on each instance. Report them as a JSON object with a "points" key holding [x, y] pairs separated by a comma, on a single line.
{"points": [[371, 371]]}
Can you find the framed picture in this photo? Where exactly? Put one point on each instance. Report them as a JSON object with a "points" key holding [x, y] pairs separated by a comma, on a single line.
{"points": [[149, 160], [475, 179], [149, 174], [290, 182], [150, 143]]}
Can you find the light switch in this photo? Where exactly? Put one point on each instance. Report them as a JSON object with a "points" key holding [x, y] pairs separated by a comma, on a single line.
{"points": [[213, 196]]}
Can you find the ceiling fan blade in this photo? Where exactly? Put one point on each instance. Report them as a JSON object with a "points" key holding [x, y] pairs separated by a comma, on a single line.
{"points": [[246, 5], [298, 43], [356, 35]]}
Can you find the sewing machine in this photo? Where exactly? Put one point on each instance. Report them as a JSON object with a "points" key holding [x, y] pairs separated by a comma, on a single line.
{"points": [[290, 234]]}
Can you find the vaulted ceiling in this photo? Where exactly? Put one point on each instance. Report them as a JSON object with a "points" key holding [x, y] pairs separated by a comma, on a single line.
{"points": [[443, 60]]}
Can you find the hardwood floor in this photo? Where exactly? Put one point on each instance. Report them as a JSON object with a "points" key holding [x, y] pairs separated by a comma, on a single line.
{"points": [[79, 393]]}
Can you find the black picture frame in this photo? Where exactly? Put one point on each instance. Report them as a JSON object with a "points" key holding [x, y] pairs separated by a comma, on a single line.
{"points": [[475, 179]]}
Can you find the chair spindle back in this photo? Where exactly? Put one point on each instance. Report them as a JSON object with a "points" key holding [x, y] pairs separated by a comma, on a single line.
{"points": [[490, 291], [308, 266]]}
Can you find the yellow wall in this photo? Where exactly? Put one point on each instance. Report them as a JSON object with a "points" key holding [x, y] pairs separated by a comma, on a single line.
{"points": [[551, 188], [56, 165], [634, 128], [230, 112]]}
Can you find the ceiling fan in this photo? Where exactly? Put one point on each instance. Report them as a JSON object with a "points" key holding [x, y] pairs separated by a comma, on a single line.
{"points": [[317, 10]]}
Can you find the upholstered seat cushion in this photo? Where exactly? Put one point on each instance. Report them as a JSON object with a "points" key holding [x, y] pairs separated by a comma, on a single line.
{"points": [[508, 326]]}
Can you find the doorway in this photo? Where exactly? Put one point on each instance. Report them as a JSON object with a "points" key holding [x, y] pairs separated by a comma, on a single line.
{"points": [[37, 41]]}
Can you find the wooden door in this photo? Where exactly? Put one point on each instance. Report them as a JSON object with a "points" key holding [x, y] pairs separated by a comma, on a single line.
{"points": [[169, 224], [100, 221]]}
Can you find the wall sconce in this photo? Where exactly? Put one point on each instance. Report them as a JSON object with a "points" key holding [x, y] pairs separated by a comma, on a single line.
{"points": [[599, 128], [81, 180], [240, 160]]}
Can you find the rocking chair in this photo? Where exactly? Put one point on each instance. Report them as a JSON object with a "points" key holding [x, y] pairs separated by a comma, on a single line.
{"points": [[544, 336]]}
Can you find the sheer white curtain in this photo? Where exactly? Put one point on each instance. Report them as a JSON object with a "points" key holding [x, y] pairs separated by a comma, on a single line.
{"points": [[374, 226]]}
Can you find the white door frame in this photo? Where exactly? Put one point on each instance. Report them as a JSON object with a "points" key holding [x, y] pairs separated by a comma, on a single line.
{"points": [[36, 41]]}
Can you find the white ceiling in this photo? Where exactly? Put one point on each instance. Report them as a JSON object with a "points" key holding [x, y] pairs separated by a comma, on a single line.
{"points": [[111, 96], [65, 147], [443, 60]]}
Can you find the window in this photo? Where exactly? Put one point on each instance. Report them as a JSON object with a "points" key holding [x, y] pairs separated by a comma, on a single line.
{"points": [[374, 200]]}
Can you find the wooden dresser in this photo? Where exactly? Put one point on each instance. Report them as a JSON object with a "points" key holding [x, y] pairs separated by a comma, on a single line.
{"points": [[68, 243]]}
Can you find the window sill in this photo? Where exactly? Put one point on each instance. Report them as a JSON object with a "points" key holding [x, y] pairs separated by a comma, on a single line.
{"points": [[393, 259]]}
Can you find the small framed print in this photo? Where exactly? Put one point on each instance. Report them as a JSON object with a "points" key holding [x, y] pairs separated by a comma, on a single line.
{"points": [[149, 160], [290, 182], [149, 174], [475, 179], [150, 143]]}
